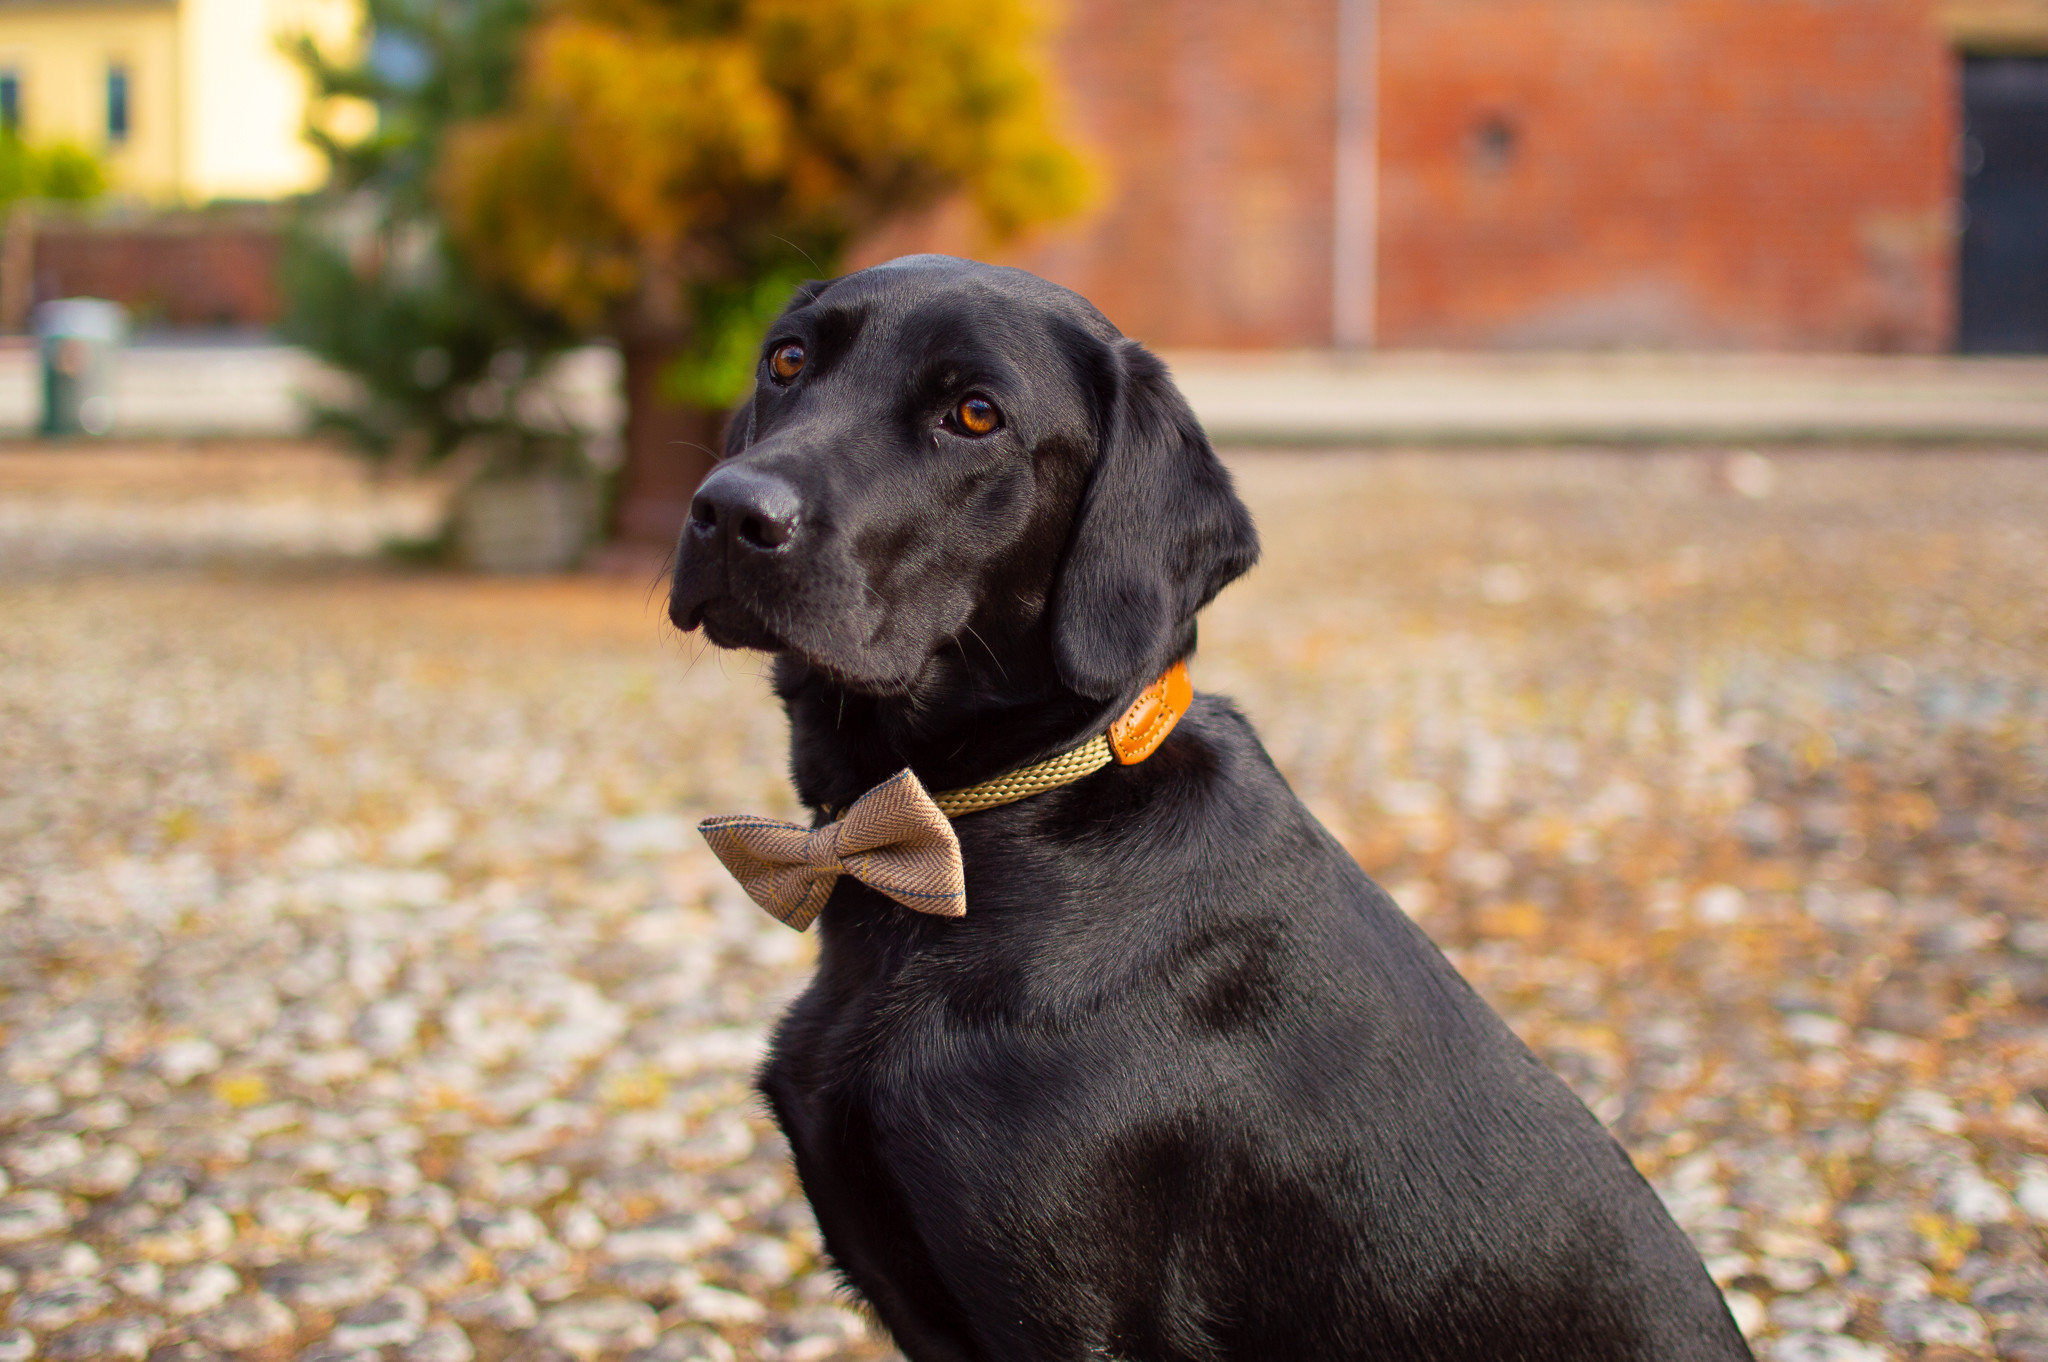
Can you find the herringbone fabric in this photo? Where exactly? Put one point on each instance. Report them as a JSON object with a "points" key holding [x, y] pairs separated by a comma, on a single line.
{"points": [[893, 838]]}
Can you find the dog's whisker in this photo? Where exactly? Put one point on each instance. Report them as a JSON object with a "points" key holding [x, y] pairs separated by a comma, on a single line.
{"points": [[1000, 668]]}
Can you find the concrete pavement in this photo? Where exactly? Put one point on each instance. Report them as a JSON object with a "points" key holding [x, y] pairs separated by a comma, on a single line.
{"points": [[1625, 398], [203, 388], [175, 387]]}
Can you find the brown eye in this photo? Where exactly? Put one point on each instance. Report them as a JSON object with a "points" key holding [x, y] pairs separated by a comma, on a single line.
{"points": [[977, 415], [787, 361]]}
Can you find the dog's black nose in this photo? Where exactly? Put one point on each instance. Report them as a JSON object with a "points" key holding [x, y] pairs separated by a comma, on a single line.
{"points": [[751, 507]]}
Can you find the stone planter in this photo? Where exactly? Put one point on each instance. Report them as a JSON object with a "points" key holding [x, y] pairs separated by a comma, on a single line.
{"points": [[535, 523]]}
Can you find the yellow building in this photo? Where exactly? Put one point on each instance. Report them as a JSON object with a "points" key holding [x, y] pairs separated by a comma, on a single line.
{"points": [[186, 100]]}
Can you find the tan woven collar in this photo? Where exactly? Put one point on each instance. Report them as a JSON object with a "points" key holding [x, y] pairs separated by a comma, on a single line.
{"points": [[1130, 740]]}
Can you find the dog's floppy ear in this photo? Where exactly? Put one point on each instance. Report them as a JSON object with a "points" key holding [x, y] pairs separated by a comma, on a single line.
{"points": [[1159, 532]]}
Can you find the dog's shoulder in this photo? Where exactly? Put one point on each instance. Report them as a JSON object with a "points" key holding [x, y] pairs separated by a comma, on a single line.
{"points": [[1196, 880]]}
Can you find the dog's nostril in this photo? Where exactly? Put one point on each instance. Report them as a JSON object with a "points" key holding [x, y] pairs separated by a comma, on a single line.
{"points": [[764, 531], [743, 507]]}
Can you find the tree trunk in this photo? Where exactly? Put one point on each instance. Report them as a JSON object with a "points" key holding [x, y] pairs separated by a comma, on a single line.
{"points": [[669, 449]]}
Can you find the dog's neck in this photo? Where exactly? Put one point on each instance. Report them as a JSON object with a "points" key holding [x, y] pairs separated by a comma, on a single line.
{"points": [[966, 719]]}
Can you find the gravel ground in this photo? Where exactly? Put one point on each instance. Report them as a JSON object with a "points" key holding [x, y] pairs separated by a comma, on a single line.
{"points": [[365, 992]]}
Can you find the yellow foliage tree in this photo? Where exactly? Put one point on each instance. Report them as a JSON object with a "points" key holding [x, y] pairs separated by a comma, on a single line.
{"points": [[671, 168]]}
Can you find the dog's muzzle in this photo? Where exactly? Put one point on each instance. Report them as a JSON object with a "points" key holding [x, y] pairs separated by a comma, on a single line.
{"points": [[745, 510]]}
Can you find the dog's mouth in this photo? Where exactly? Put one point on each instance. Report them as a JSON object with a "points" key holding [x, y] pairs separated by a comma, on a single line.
{"points": [[701, 595], [729, 624], [839, 643]]}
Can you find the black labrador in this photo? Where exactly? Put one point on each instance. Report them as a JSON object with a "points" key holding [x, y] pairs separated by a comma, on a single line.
{"points": [[1183, 1084]]}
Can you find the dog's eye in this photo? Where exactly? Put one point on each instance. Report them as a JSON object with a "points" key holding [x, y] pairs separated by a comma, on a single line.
{"points": [[977, 415], [787, 361]]}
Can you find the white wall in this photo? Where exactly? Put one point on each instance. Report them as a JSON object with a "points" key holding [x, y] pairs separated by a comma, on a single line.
{"points": [[245, 100]]}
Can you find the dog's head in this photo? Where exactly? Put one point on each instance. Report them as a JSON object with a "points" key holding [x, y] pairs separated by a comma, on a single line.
{"points": [[936, 448]]}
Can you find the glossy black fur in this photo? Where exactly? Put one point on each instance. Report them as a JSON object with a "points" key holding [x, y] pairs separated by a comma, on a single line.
{"points": [[1183, 1084]]}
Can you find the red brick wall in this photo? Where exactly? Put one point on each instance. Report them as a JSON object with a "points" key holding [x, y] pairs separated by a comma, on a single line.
{"points": [[1211, 122], [1761, 173], [198, 269], [1754, 173]]}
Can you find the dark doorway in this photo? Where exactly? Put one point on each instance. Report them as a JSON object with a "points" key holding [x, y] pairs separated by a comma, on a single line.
{"points": [[2005, 201]]}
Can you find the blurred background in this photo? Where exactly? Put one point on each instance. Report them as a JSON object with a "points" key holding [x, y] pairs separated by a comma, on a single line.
{"points": [[1643, 405]]}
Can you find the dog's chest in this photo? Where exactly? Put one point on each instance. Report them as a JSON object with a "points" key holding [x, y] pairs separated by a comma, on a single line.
{"points": [[873, 1092], [915, 1029]]}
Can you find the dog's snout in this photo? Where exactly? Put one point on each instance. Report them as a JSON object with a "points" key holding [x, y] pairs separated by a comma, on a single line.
{"points": [[753, 508]]}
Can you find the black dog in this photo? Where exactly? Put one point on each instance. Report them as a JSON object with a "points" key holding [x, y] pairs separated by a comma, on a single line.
{"points": [[1183, 1083]]}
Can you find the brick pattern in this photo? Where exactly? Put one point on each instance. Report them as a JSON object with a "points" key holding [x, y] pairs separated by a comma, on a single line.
{"points": [[171, 271], [1712, 173], [1757, 173], [1211, 122]]}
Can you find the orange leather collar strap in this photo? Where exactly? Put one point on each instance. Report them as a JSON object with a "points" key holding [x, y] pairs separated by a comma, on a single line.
{"points": [[1152, 716]]}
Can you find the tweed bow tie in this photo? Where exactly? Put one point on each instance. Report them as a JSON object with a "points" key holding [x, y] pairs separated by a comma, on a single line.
{"points": [[893, 838], [897, 838]]}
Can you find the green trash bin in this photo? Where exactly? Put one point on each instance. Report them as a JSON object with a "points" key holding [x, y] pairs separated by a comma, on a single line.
{"points": [[80, 337]]}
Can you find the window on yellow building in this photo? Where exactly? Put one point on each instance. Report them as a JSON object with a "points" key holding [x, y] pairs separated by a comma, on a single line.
{"points": [[10, 101], [117, 103]]}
